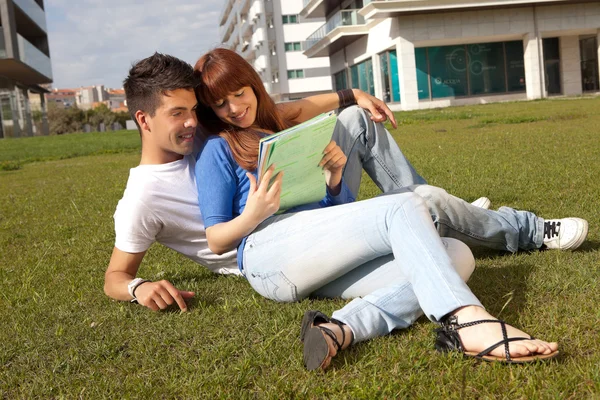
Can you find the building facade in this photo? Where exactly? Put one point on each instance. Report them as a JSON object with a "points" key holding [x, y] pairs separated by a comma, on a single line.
{"points": [[434, 53], [116, 100], [87, 96], [271, 35], [62, 98], [24, 66]]}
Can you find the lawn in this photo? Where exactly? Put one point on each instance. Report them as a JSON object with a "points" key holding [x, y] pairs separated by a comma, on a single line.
{"points": [[63, 338]]}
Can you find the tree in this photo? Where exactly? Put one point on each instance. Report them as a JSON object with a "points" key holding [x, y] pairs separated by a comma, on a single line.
{"points": [[102, 114], [65, 120]]}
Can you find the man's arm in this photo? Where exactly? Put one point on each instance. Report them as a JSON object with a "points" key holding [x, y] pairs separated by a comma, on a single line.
{"points": [[309, 107], [123, 268]]}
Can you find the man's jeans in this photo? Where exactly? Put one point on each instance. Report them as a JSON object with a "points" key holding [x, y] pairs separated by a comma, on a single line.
{"points": [[370, 146]]}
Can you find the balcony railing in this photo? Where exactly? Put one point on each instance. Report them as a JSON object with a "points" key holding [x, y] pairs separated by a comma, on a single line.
{"points": [[33, 11], [365, 2], [33, 57], [29, 55], [341, 18]]}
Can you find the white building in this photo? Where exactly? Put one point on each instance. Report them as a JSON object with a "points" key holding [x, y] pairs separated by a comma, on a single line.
{"points": [[271, 36], [431, 53], [87, 96]]}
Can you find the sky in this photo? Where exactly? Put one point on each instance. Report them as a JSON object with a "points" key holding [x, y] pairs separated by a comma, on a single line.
{"points": [[95, 42]]}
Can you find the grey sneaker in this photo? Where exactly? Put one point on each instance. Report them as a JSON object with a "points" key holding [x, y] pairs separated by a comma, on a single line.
{"points": [[482, 202], [565, 234]]}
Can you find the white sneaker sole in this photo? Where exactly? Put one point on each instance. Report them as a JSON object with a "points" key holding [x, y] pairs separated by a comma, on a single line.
{"points": [[482, 202], [582, 229]]}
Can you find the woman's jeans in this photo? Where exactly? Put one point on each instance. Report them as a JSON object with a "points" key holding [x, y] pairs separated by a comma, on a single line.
{"points": [[291, 256]]}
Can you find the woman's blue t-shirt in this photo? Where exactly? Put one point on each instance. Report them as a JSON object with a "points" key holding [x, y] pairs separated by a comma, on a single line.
{"points": [[223, 188]]}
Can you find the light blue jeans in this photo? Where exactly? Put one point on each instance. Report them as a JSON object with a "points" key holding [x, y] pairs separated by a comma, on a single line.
{"points": [[291, 256], [370, 146]]}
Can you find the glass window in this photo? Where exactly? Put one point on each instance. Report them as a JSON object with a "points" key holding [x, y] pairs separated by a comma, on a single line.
{"points": [[389, 76], [369, 72], [363, 80], [295, 73], [422, 72], [362, 76], [486, 68], [448, 71], [385, 77], [340, 80], [354, 76], [394, 74], [589, 64], [289, 19], [515, 66], [293, 46], [552, 65]]}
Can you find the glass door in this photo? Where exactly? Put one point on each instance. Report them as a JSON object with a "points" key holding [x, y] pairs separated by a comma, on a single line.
{"points": [[589, 64], [552, 65]]}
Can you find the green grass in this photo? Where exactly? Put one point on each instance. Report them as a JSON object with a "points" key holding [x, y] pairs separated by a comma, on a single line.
{"points": [[63, 338], [16, 152]]}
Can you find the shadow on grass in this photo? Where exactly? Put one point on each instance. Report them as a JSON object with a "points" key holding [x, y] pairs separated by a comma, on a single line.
{"points": [[212, 290], [588, 246], [502, 290]]}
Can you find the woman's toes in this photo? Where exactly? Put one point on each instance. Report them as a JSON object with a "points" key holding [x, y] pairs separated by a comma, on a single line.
{"points": [[521, 349]]}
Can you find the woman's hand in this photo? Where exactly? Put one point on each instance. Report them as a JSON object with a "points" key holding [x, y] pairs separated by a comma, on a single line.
{"points": [[263, 201], [380, 112], [333, 163]]}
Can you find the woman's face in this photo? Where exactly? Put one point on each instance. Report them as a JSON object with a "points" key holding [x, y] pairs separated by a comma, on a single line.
{"points": [[237, 108]]}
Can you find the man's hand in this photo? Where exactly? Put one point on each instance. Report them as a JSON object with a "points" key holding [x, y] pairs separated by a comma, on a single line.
{"points": [[333, 163], [160, 295], [380, 112]]}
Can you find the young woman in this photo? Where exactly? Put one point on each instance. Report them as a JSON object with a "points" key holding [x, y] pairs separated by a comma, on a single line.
{"points": [[290, 256]]}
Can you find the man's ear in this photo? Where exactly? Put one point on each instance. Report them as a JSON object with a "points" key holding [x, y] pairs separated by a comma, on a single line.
{"points": [[142, 120]]}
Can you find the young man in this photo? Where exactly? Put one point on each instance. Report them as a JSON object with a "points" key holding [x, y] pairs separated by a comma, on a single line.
{"points": [[160, 201]]}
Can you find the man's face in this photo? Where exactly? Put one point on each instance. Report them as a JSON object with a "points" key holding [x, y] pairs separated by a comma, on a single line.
{"points": [[173, 126]]}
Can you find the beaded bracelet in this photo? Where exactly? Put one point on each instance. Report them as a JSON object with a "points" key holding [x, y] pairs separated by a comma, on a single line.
{"points": [[346, 98]]}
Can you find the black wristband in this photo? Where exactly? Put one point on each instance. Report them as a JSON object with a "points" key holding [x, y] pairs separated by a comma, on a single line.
{"points": [[346, 98], [135, 288]]}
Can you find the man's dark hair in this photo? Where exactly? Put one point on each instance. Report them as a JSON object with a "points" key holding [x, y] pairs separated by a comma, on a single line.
{"points": [[151, 77]]}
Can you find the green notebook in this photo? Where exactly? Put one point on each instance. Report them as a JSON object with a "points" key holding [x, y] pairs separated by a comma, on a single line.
{"points": [[297, 151]]}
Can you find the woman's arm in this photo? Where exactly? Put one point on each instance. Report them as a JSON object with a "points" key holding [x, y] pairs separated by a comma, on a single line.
{"points": [[312, 106], [261, 204]]}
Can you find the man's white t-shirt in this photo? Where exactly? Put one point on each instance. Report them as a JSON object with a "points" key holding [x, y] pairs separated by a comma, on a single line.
{"points": [[160, 204]]}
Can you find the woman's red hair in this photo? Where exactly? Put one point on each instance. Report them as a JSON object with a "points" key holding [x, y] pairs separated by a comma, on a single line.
{"points": [[222, 72]]}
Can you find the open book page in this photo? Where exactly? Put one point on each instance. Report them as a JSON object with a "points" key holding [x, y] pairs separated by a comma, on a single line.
{"points": [[297, 151]]}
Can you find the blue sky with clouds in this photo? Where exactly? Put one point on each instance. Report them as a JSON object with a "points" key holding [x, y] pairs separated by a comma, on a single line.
{"points": [[94, 42]]}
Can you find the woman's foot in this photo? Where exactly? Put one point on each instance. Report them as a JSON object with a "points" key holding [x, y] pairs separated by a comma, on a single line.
{"points": [[323, 341], [481, 337]]}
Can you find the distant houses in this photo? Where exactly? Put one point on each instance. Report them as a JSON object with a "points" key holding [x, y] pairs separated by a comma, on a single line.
{"points": [[86, 98]]}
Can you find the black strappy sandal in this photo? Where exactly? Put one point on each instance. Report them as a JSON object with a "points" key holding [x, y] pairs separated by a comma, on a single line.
{"points": [[310, 319], [448, 339], [316, 348]]}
